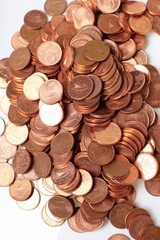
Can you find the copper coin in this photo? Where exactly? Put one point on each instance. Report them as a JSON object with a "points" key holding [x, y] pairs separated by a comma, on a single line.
{"points": [[42, 164], [16, 117], [98, 192], [21, 161], [104, 206], [26, 106], [108, 135], [56, 7], [153, 7], [119, 162], [134, 105], [49, 53], [7, 150], [134, 8], [80, 87], [118, 213], [96, 50], [108, 6], [147, 164], [51, 91], [151, 232], [100, 154], [118, 237], [60, 207], [35, 19], [21, 189], [78, 17], [137, 21], [17, 41], [152, 187], [108, 23], [7, 174], [20, 58]]}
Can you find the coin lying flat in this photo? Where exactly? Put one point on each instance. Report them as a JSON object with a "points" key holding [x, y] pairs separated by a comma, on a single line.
{"points": [[6, 174]]}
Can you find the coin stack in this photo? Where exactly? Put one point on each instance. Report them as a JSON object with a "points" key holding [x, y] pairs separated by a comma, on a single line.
{"points": [[82, 129]]}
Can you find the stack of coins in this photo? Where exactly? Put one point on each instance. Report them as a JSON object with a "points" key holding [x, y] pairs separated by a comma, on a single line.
{"points": [[82, 129]]}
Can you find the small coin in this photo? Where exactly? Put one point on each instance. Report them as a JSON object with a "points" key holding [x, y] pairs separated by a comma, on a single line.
{"points": [[4, 104], [17, 41], [31, 203], [42, 164], [56, 7], [108, 23], [78, 17], [108, 6], [20, 58], [21, 189], [51, 115], [49, 53], [7, 150], [21, 161], [49, 220], [51, 91], [118, 237], [35, 19], [7, 174], [16, 135]]}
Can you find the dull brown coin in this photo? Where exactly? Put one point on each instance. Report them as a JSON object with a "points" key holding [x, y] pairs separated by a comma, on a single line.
{"points": [[7, 174], [21, 161], [56, 7], [108, 135], [80, 87], [151, 232], [26, 106], [152, 186], [51, 91], [118, 237], [100, 154], [108, 23], [118, 213], [20, 189], [49, 53], [16, 117], [96, 50], [98, 192], [20, 58], [42, 164], [61, 207], [35, 19]]}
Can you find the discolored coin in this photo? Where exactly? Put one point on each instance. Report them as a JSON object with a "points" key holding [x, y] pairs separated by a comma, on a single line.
{"points": [[80, 87], [42, 164], [60, 207], [51, 91], [49, 53], [100, 154], [7, 174], [20, 189], [20, 58], [21, 161], [35, 19]]}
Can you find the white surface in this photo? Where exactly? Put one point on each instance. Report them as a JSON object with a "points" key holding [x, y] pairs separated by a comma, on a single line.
{"points": [[17, 224]]}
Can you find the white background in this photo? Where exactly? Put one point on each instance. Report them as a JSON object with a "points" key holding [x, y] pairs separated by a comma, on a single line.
{"points": [[17, 224]]}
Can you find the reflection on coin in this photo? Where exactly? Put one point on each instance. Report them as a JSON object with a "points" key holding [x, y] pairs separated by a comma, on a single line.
{"points": [[6, 175], [7, 150], [31, 203], [16, 135]]}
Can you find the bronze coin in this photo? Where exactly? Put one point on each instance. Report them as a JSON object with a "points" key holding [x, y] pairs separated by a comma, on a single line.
{"points": [[61, 207], [56, 7], [100, 154], [98, 192], [151, 232], [16, 117], [35, 19], [20, 58], [42, 164], [20, 189], [118, 213], [21, 161], [104, 206], [118, 236], [80, 87], [134, 105], [26, 106], [108, 23]]}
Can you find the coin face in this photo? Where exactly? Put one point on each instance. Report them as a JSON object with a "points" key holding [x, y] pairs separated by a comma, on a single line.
{"points": [[16, 135], [7, 174]]}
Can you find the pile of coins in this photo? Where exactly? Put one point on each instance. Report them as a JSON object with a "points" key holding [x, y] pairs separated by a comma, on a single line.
{"points": [[82, 129]]}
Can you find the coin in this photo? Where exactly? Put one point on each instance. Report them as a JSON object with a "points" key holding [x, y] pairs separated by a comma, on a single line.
{"points": [[35, 19], [7, 174], [20, 58], [118, 236], [31, 203], [16, 135], [21, 161]]}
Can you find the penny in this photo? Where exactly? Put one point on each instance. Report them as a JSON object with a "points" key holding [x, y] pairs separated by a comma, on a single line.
{"points": [[31, 203], [150, 232], [49, 53], [2, 126], [20, 189], [60, 207], [100, 154], [105, 205], [108, 135], [96, 50], [17, 41], [51, 91], [73, 225], [98, 192], [108, 6], [20, 58], [30, 174], [56, 7], [118, 236], [85, 185], [118, 213], [152, 186], [3, 83], [35, 19], [42, 164], [7, 174], [16, 117], [48, 220], [83, 16], [26, 106], [134, 8], [141, 57], [7, 150], [128, 49], [108, 23], [51, 115], [21, 161], [16, 135], [153, 7], [136, 22], [32, 86], [147, 165]]}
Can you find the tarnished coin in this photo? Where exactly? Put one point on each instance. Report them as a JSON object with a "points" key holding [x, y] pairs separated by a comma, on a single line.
{"points": [[21, 161]]}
